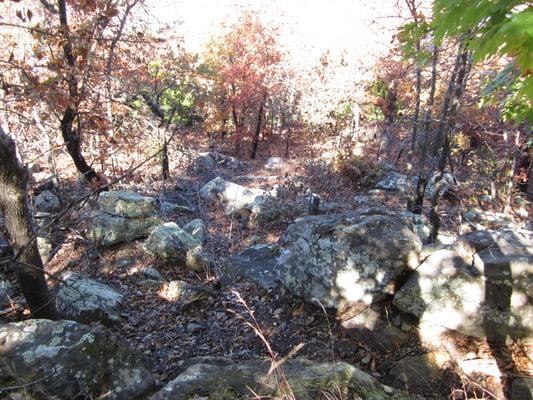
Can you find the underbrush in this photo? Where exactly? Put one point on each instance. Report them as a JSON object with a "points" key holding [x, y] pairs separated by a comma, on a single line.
{"points": [[360, 171]]}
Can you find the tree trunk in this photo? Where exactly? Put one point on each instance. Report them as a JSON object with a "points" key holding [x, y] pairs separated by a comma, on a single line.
{"points": [[164, 160], [418, 202], [19, 224], [258, 128], [417, 100], [512, 171], [456, 88], [72, 140], [71, 136]]}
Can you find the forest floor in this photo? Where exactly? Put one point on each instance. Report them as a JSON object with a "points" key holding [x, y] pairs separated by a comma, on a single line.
{"points": [[231, 323]]}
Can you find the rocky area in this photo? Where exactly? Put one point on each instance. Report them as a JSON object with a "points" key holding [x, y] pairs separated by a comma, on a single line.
{"points": [[182, 295]]}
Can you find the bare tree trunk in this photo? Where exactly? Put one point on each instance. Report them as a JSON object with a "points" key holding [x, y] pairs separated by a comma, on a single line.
{"points": [[109, 67], [19, 223], [456, 88], [418, 202], [414, 13], [516, 153], [417, 100], [71, 136], [258, 127], [165, 171]]}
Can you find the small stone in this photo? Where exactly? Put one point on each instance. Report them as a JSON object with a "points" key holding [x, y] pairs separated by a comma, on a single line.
{"points": [[193, 328], [274, 163], [152, 273], [485, 198], [196, 228]]}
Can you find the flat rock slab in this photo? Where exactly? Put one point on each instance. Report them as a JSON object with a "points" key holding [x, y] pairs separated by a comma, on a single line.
{"points": [[127, 204], [258, 263], [82, 299], [67, 358], [307, 379], [108, 230]]}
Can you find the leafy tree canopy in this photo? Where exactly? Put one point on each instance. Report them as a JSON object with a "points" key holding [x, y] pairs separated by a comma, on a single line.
{"points": [[494, 27]]}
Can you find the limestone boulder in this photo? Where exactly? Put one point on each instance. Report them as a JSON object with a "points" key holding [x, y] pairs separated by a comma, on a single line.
{"points": [[82, 299], [127, 204], [68, 358], [174, 245], [481, 287], [307, 379], [108, 230], [346, 260]]}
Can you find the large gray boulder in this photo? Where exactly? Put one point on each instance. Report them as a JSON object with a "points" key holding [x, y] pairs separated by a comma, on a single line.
{"points": [[347, 260], [67, 358], [482, 287], [127, 204], [307, 380], [124, 216], [174, 245], [108, 230], [395, 181], [82, 299]]}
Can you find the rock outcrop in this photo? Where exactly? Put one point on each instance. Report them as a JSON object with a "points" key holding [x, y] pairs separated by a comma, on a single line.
{"points": [[174, 245], [340, 260], [481, 287], [347, 259], [123, 216], [307, 380], [69, 359]]}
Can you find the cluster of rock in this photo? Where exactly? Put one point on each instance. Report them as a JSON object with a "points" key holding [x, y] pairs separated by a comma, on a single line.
{"points": [[253, 206], [123, 216], [394, 181], [371, 260], [305, 379], [340, 260], [480, 285], [70, 359]]}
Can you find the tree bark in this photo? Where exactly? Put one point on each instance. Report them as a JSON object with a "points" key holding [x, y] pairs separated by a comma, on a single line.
{"points": [[19, 224], [418, 202], [71, 136], [258, 128], [455, 90]]}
